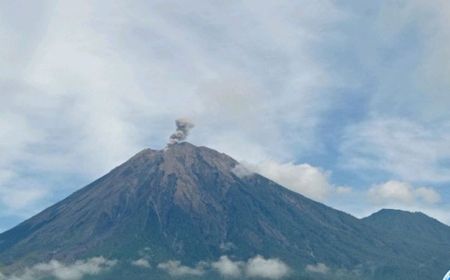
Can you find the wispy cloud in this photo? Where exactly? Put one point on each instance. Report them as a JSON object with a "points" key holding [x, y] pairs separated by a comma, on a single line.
{"points": [[395, 192], [227, 267], [301, 178], [317, 268], [266, 268], [175, 268], [404, 149], [257, 266], [142, 262], [60, 271]]}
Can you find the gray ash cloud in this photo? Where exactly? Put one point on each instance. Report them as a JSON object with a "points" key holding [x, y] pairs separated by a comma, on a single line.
{"points": [[182, 132]]}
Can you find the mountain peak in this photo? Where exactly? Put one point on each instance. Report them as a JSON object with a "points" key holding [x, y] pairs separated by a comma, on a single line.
{"points": [[389, 211], [398, 214], [186, 159], [181, 146], [405, 223], [180, 157]]}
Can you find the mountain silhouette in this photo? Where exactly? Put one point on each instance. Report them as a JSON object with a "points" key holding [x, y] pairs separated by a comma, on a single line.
{"points": [[187, 203]]}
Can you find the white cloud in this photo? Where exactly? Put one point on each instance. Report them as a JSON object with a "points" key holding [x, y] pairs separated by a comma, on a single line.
{"points": [[60, 271], [257, 266], [428, 195], [175, 268], [301, 178], [266, 268], [141, 263], [227, 267], [244, 169], [318, 268], [402, 193]]}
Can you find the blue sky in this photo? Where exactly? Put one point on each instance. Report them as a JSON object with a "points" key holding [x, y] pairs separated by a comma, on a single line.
{"points": [[343, 101]]}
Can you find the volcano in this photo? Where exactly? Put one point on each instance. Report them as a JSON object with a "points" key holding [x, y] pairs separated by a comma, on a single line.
{"points": [[187, 203]]}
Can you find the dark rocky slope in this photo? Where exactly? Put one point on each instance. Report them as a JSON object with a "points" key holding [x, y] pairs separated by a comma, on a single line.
{"points": [[186, 202]]}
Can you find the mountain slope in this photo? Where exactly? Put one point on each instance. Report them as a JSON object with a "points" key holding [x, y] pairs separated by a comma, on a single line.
{"points": [[186, 203]]}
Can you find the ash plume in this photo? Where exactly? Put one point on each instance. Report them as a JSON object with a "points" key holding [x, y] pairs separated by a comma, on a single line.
{"points": [[182, 132]]}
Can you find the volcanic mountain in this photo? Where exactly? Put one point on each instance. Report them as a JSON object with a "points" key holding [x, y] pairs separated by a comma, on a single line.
{"points": [[189, 204]]}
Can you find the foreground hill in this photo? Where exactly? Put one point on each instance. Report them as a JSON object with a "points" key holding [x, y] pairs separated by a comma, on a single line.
{"points": [[187, 204]]}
